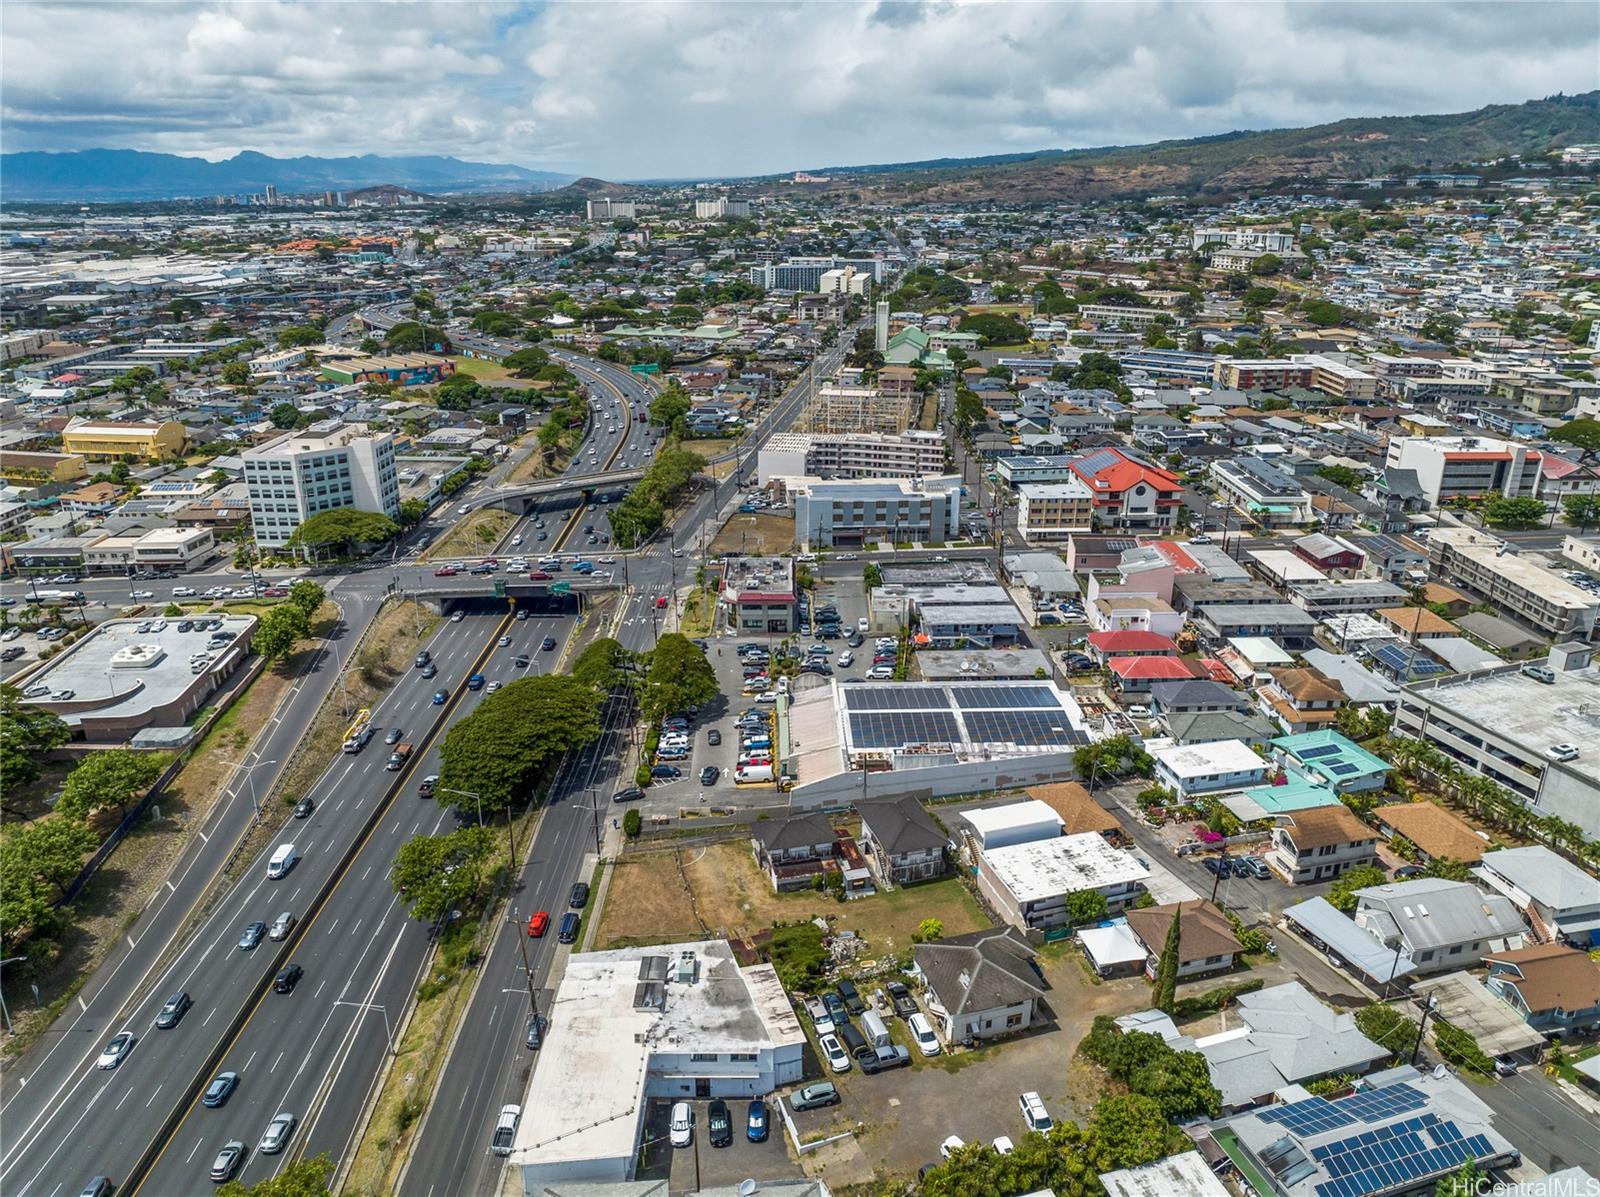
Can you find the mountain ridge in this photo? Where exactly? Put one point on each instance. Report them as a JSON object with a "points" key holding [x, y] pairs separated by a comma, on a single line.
{"points": [[41, 176]]}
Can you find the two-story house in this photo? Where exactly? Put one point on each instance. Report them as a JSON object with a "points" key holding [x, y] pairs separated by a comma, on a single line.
{"points": [[794, 850], [902, 841], [1320, 842], [980, 985], [1206, 942], [1555, 988], [1301, 700], [1444, 926], [1559, 900]]}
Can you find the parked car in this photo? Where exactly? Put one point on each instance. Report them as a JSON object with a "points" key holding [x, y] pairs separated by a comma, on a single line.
{"points": [[952, 1143], [631, 794], [814, 1097], [756, 1126], [681, 1131], [900, 998], [579, 897], [874, 1060], [922, 1032], [666, 772], [719, 1124], [851, 997], [838, 1059]]}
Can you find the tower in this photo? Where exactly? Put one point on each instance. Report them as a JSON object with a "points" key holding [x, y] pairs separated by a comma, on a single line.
{"points": [[881, 340]]}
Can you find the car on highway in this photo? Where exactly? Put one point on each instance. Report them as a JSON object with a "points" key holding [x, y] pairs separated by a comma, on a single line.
{"points": [[505, 641], [303, 808], [172, 1013], [392, 736], [814, 1097], [548, 644], [756, 1125], [276, 1137], [98, 1186], [538, 924], [681, 1129], [440, 697], [288, 977], [430, 670], [117, 1050], [228, 1161], [458, 616], [445, 571], [252, 935], [281, 926], [218, 1092]]}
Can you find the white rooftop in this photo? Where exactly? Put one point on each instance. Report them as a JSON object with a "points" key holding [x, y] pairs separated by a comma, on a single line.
{"points": [[1186, 1175], [1205, 760], [1044, 869]]}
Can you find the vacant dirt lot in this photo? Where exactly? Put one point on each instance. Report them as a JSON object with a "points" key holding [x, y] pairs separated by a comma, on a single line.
{"points": [[759, 533], [661, 896], [473, 536]]}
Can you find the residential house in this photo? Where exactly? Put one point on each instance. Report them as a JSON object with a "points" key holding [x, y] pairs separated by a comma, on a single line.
{"points": [[1560, 900], [1076, 808], [1206, 942], [1207, 727], [1416, 623], [1320, 842], [1329, 758], [1135, 675], [1191, 769], [1555, 988], [1438, 834], [902, 840], [1129, 493], [1301, 700], [795, 850], [980, 985], [1130, 642], [1329, 552], [1443, 926], [1196, 695]]}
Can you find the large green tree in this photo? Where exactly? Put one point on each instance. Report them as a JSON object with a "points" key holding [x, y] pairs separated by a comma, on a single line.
{"points": [[1583, 435], [282, 415], [601, 665], [280, 630], [525, 363], [49, 851], [500, 749], [307, 595], [27, 734], [343, 529], [1582, 510], [1342, 894], [298, 336], [995, 328], [435, 874], [1514, 513], [1127, 1130], [116, 778], [678, 677]]}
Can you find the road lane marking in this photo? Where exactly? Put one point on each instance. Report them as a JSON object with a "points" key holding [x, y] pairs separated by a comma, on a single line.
{"points": [[152, 1096], [275, 1063], [209, 1016], [356, 928], [123, 1098], [193, 1149], [318, 994], [249, 1062]]}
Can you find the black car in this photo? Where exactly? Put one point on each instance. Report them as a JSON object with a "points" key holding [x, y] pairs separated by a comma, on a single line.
{"points": [[666, 772], [303, 808], [535, 1033], [569, 928], [252, 936], [709, 775], [719, 1124], [851, 997], [579, 897], [631, 794], [172, 1013], [521, 660], [855, 639], [548, 643], [430, 670], [819, 668], [12, 653], [288, 977], [713, 736]]}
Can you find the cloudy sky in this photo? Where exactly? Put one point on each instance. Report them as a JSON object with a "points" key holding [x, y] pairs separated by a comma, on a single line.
{"points": [[628, 91]]}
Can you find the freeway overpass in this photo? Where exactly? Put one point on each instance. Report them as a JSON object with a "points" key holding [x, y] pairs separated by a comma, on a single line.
{"points": [[573, 484]]}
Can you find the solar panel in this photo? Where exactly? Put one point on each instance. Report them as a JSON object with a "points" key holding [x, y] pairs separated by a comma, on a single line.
{"points": [[1346, 770], [1312, 1116], [970, 698], [1036, 728], [1404, 659], [891, 729], [1320, 750], [916, 698], [1095, 460]]}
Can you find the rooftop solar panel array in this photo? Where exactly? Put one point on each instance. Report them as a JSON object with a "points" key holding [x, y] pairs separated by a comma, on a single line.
{"points": [[897, 698], [891, 729], [1398, 1156], [1320, 750], [978, 698], [1403, 658], [1096, 460], [1024, 715], [1037, 729]]}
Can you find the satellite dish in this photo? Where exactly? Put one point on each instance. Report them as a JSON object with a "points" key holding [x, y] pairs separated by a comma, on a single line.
{"points": [[746, 1187], [1440, 1072]]}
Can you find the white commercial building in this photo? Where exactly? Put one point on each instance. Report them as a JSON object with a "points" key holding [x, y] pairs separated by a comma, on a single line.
{"points": [[718, 208], [676, 1022], [1205, 768], [1054, 510], [846, 280], [1490, 569], [327, 466], [1271, 240], [1028, 883], [872, 511], [1014, 823], [606, 208], [1449, 467]]}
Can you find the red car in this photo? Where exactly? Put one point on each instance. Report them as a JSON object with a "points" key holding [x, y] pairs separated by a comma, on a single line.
{"points": [[445, 571], [538, 575], [539, 923], [661, 602]]}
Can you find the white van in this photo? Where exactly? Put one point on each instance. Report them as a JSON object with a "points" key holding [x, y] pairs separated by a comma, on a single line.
{"points": [[283, 859], [873, 1027], [751, 774]]}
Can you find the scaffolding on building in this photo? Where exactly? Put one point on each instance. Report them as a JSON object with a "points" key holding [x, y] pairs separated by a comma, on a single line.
{"points": [[857, 409]]}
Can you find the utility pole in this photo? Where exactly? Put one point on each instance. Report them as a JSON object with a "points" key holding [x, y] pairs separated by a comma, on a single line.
{"points": [[1431, 1005]]}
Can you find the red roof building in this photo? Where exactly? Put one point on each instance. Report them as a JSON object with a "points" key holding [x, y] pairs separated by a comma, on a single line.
{"points": [[1133, 675], [1127, 492], [1132, 643]]}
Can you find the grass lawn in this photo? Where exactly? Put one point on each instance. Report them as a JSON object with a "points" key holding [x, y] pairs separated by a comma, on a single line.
{"points": [[699, 609], [473, 536], [649, 901], [476, 367]]}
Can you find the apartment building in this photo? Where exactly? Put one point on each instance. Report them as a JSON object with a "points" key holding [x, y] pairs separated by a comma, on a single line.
{"points": [[1492, 571], [845, 280], [1119, 315], [1270, 240], [1319, 843], [606, 208], [1264, 494], [327, 466], [721, 207], [1129, 493], [852, 513], [912, 454], [1312, 371], [1054, 510], [1449, 467], [110, 440], [1015, 471]]}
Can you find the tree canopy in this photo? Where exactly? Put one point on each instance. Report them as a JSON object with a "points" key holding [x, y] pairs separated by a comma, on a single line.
{"points": [[302, 1178], [525, 363], [298, 336], [38, 860], [280, 630], [499, 750], [114, 778], [1342, 894], [435, 874], [678, 677], [1514, 513], [307, 595], [26, 735], [343, 529], [995, 328], [1583, 434], [601, 665]]}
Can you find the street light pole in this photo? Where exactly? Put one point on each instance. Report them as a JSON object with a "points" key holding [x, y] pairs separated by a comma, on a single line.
{"points": [[250, 774], [466, 794]]}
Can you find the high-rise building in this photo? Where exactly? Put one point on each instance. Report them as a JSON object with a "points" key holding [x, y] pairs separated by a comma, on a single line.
{"points": [[881, 327], [325, 467], [272, 195], [606, 208], [718, 208]]}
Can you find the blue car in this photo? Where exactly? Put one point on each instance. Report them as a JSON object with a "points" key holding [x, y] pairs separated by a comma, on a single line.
{"points": [[756, 1122], [439, 697]]}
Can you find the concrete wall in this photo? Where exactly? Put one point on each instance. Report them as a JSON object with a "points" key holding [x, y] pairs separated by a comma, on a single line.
{"points": [[967, 777]]}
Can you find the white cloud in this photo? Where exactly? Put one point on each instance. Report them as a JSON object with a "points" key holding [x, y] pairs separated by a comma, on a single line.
{"points": [[626, 90]]}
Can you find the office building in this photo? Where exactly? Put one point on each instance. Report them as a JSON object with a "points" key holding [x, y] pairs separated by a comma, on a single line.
{"points": [[844, 281], [718, 209], [1118, 315], [325, 467], [1054, 510], [1449, 467], [606, 208], [1264, 494], [805, 274], [758, 594], [849, 514], [1483, 564], [109, 440], [1312, 371]]}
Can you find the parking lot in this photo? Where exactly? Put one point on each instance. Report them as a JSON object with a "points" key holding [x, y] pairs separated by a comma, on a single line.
{"points": [[700, 1165]]}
